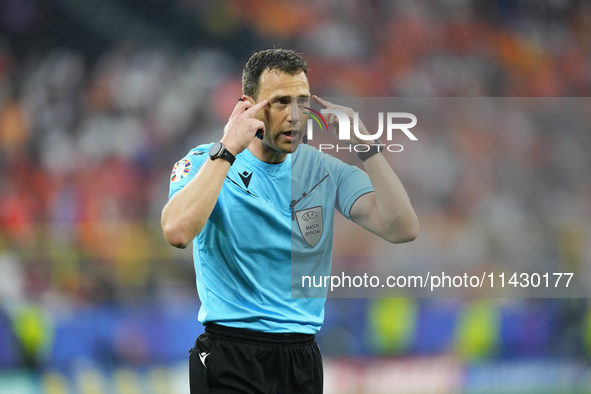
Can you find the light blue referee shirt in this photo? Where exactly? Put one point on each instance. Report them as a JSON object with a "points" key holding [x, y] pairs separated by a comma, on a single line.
{"points": [[268, 217]]}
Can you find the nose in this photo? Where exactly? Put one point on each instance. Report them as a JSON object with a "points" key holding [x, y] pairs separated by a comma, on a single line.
{"points": [[294, 113]]}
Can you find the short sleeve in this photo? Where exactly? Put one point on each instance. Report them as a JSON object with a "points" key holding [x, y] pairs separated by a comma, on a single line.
{"points": [[185, 169], [351, 183]]}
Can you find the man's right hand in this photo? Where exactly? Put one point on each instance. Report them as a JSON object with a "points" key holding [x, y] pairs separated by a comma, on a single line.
{"points": [[242, 126], [185, 215]]}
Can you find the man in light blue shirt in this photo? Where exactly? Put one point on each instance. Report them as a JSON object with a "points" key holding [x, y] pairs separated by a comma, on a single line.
{"points": [[253, 206]]}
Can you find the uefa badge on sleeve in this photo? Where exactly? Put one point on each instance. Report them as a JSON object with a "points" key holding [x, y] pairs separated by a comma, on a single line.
{"points": [[180, 171], [310, 224]]}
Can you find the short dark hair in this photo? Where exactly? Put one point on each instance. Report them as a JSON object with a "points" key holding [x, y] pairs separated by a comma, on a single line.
{"points": [[284, 60]]}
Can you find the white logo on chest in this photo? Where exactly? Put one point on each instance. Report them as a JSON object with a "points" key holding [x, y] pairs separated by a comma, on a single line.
{"points": [[310, 224]]}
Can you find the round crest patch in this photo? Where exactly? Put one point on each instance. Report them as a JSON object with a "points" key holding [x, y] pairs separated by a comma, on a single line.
{"points": [[180, 171]]}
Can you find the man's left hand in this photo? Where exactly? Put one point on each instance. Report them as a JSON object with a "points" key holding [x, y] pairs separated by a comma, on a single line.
{"points": [[332, 122]]}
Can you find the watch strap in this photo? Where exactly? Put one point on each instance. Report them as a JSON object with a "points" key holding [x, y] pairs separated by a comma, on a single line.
{"points": [[374, 149], [226, 155]]}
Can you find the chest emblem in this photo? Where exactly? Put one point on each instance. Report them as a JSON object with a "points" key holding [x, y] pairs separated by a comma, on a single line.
{"points": [[245, 176], [310, 224]]}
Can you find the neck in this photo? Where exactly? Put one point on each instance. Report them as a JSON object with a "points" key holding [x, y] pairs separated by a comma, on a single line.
{"points": [[266, 154]]}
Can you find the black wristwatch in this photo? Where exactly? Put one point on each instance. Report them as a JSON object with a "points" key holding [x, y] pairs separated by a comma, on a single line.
{"points": [[218, 150], [374, 148]]}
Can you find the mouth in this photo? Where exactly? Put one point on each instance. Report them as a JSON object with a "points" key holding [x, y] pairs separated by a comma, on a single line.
{"points": [[291, 135]]}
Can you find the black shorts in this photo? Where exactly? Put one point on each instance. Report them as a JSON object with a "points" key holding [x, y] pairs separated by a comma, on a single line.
{"points": [[239, 361]]}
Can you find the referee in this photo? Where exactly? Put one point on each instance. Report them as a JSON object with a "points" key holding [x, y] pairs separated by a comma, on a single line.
{"points": [[241, 201]]}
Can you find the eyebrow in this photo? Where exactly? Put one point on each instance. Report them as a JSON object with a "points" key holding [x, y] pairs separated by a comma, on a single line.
{"points": [[282, 97]]}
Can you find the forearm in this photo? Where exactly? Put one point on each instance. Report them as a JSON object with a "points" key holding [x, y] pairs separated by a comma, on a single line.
{"points": [[394, 210], [185, 215]]}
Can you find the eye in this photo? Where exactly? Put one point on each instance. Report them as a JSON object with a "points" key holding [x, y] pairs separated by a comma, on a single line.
{"points": [[303, 101], [282, 101]]}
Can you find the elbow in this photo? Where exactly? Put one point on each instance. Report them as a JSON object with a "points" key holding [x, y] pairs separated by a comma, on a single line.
{"points": [[408, 234], [177, 231], [175, 237], [408, 237], [179, 235]]}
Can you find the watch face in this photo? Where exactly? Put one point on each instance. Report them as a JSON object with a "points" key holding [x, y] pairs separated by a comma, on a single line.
{"points": [[215, 149]]}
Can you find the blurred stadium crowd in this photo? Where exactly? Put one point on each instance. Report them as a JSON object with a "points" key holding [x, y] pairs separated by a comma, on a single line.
{"points": [[98, 99]]}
